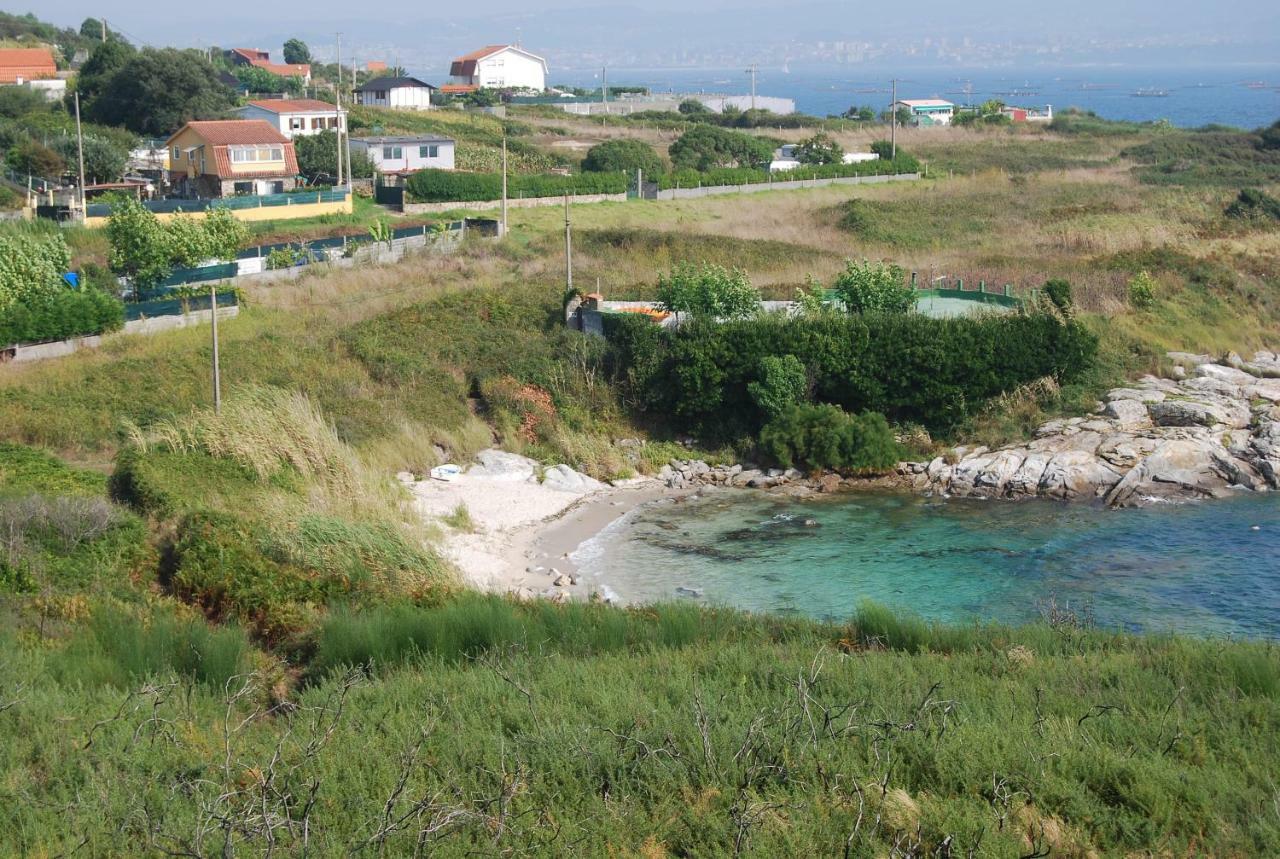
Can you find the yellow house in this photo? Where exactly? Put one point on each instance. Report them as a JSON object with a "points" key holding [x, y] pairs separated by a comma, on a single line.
{"points": [[224, 158]]}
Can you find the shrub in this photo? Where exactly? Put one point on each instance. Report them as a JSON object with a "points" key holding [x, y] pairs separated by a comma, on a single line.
{"points": [[708, 292], [782, 384], [1058, 292], [623, 156], [434, 186], [819, 149], [1142, 292], [874, 288], [705, 147], [1253, 204], [824, 436], [31, 265], [59, 315]]}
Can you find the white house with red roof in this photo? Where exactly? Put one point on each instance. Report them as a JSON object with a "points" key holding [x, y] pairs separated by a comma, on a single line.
{"points": [[498, 67], [294, 117]]}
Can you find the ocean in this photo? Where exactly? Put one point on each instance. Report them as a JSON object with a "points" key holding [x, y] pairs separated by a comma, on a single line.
{"points": [[1245, 96], [1209, 567]]}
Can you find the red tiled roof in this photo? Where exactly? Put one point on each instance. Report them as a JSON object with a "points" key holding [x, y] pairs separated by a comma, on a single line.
{"points": [[481, 54], [262, 59], [222, 166], [294, 105], [223, 132], [26, 63], [465, 66]]}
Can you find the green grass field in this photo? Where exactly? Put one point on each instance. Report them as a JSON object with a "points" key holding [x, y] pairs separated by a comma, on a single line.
{"points": [[234, 635]]}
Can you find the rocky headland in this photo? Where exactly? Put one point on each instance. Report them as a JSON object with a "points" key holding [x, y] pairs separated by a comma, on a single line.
{"points": [[1211, 430]]}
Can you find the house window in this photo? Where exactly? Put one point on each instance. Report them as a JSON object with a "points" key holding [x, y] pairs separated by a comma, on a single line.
{"points": [[176, 154], [432, 151], [392, 153], [248, 154], [297, 123]]}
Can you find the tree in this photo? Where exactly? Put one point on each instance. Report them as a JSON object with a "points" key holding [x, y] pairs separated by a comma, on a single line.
{"points": [[31, 266], [623, 155], [708, 292], [481, 98], [255, 79], [107, 59], [706, 147], [868, 287], [225, 234], [140, 248], [156, 91], [318, 157], [824, 436], [296, 51], [104, 159], [36, 159], [693, 107], [861, 113], [17, 101], [819, 149]]}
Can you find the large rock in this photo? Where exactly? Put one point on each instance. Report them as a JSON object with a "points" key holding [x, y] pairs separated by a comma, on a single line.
{"points": [[564, 479], [501, 465], [1177, 468], [1142, 395], [1026, 480], [993, 480], [1224, 374], [1128, 413], [1076, 474], [1187, 413]]}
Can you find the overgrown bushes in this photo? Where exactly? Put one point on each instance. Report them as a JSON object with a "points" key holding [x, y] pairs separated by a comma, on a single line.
{"points": [[824, 436], [908, 367], [691, 178], [60, 314], [439, 186]]}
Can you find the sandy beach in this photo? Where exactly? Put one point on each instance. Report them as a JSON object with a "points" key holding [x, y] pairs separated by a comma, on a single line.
{"points": [[523, 529]]}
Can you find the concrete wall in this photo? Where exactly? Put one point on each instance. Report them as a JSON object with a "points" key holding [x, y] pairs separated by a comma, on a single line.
{"points": [[712, 190], [513, 203], [41, 351]]}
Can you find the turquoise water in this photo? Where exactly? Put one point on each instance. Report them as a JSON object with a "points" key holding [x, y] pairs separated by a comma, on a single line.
{"points": [[1206, 568]]}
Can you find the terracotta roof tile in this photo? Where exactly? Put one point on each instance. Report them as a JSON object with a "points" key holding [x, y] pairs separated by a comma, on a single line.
{"points": [[26, 63], [222, 132]]}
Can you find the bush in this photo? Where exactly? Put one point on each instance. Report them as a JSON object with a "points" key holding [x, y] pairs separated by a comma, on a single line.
{"points": [[1058, 292], [1142, 292], [826, 437], [59, 315], [438, 186], [909, 367], [624, 156], [782, 384], [1253, 204], [874, 288], [31, 266], [819, 149], [705, 147], [708, 291]]}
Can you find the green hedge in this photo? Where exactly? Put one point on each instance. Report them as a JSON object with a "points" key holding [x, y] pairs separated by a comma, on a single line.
{"points": [[910, 368], [447, 186], [750, 176], [59, 315]]}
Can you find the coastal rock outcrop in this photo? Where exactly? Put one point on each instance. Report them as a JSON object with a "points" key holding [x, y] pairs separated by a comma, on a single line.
{"points": [[1214, 430]]}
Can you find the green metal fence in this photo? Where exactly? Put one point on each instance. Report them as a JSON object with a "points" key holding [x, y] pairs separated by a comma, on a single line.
{"points": [[253, 201]]}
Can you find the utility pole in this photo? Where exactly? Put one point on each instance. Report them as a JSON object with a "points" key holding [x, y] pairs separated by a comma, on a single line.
{"points": [[604, 87], [338, 97], [893, 118], [752, 71], [217, 370], [80, 155], [504, 184], [568, 247], [104, 29], [345, 130]]}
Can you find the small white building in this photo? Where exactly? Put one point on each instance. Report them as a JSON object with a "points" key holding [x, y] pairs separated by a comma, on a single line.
{"points": [[499, 67], [396, 93], [927, 111], [294, 117], [53, 89], [785, 158], [398, 156]]}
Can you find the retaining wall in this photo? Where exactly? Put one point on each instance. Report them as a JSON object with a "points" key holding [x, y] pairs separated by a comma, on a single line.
{"points": [[512, 203], [41, 351], [712, 190]]}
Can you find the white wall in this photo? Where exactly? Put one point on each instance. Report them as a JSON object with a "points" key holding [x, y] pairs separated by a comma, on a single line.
{"points": [[508, 68], [398, 98], [283, 121], [410, 158]]}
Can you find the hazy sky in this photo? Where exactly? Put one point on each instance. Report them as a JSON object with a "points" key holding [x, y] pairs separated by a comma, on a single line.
{"points": [[571, 32]]}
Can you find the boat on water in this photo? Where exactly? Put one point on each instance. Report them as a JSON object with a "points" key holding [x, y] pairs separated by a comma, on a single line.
{"points": [[1150, 92]]}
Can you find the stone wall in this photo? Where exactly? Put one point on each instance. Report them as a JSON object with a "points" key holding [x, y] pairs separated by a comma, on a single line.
{"points": [[512, 203]]}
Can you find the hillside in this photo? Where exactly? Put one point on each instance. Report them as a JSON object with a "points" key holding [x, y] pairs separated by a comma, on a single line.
{"points": [[234, 634]]}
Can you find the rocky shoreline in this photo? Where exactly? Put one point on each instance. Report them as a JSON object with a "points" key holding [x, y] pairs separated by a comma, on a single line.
{"points": [[1212, 430]]}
